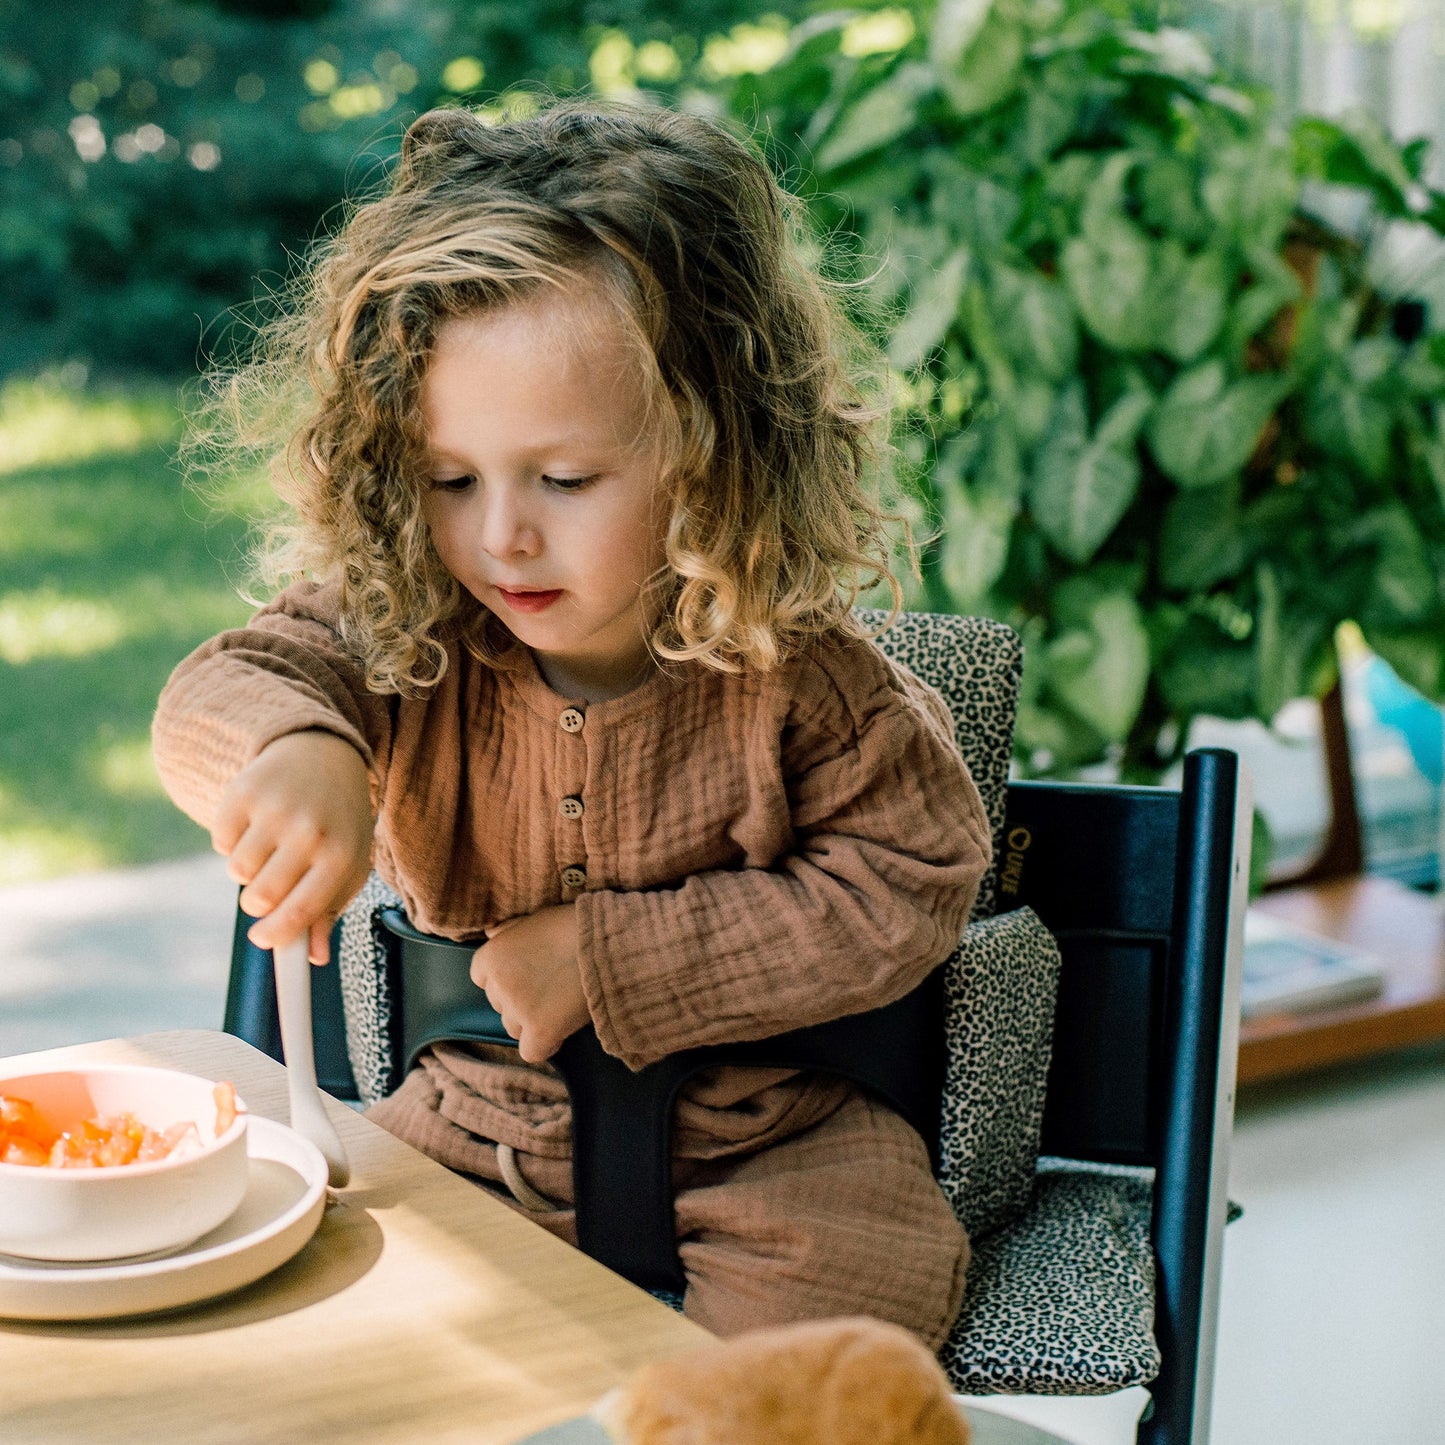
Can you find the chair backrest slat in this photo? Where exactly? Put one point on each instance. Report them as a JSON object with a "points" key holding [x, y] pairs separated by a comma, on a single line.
{"points": [[1201, 1040], [1143, 889], [1097, 864]]}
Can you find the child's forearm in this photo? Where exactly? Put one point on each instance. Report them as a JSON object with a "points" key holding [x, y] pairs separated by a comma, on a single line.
{"points": [[211, 723], [241, 691], [756, 952]]}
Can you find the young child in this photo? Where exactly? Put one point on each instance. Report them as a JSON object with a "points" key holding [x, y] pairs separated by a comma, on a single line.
{"points": [[578, 475]]}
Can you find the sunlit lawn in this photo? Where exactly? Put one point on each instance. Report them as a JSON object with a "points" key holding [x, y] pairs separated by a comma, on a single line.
{"points": [[111, 570]]}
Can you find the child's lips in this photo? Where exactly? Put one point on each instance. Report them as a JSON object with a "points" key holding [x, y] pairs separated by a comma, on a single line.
{"points": [[530, 601]]}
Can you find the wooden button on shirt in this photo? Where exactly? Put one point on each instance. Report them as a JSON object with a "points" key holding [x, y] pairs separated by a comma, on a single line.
{"points": [[571, 721], [573, 877], [571, 808]]}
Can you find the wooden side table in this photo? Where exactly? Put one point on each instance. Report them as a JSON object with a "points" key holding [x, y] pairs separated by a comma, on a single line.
{"points": [[1404, 930]]}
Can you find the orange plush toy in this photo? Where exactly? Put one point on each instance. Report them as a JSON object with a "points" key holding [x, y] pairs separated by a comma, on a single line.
{"points": [[850, 1381]]}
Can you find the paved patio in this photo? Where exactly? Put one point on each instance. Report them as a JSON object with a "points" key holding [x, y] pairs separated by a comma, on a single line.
{"points": [[103, 954]]}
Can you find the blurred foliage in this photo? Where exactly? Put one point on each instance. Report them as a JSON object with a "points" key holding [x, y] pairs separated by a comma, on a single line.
{"points": [[157, 157], [1154, 407], [1157, 414]]}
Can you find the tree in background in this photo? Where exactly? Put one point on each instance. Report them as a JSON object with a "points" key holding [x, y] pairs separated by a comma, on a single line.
{"points": [[157, 157]]}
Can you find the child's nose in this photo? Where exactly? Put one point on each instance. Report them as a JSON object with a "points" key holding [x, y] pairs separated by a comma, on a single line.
{"points": [[507, 528]]}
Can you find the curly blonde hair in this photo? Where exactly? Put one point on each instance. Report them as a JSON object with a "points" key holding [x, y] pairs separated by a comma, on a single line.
{"points": [[767, 403]]}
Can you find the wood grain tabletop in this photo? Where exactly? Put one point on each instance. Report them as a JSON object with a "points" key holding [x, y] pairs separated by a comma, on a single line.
{"points": [[422, 1311]]}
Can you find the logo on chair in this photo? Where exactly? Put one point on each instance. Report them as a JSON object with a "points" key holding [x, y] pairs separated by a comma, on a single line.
{"points": [[1017, 843]]}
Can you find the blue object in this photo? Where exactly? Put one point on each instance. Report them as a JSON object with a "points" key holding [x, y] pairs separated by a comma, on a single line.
{"points": [[1412, 715]]}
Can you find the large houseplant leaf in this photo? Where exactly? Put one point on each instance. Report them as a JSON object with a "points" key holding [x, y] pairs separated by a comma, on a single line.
{"points": [[931, 311], [978, 58], [1082, 483], [1191, 295], [882, 113], [1099, 670], [1201, 542], [1205, 426], [1042, 333]]}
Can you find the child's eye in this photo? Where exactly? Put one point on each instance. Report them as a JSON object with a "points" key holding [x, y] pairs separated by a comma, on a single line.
{"points": [[570, 484], [451, 484]]}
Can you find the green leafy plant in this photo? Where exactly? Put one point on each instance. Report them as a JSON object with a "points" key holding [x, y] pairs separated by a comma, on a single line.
{"points": [[1156, 410]]}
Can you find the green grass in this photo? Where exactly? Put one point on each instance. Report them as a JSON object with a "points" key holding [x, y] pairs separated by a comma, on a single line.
{"points": [[111, 570]]}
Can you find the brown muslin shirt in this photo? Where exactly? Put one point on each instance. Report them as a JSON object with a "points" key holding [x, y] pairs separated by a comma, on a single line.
{"points": [[748, 853]]}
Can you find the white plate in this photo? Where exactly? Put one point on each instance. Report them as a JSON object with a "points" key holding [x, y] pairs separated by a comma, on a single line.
{"points": [[988, 1429], [283, 1205]]}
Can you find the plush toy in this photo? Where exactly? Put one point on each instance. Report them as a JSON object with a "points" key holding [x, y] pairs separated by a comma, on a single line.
{"points": [[850, 1381]]}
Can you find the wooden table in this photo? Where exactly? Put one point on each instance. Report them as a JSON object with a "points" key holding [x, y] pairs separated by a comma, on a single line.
{"points": [[1404, 929], [422, 1311]]}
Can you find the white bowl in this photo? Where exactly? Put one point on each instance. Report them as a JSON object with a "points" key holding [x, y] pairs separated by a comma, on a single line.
{"points": [[129, 1209]]}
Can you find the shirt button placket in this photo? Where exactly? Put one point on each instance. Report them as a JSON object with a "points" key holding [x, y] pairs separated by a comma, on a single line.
{"points": [[573, 877]]}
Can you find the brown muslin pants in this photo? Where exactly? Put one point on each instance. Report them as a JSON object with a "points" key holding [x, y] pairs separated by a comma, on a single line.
{"points": [[841, 1217]]}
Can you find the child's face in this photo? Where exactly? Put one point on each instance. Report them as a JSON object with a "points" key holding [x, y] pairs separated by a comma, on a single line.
{"points": [[543, 503]]}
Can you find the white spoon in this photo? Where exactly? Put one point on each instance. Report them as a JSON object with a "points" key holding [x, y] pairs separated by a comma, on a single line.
{"points": [[308, 1113]]}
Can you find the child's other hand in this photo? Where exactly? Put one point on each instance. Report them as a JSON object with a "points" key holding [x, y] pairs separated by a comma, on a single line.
{"points": [[295, 825], [528, 967]]}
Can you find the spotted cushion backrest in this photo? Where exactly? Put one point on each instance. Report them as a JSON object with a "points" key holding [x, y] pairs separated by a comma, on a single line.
{"points": [[1002, 978], [976, 665]]}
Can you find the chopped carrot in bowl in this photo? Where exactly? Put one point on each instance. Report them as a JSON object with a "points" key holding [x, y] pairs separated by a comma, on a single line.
{"points": [[102, 1142]]}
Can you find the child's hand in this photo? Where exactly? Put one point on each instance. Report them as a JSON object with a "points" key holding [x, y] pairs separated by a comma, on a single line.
{"points": [[528, 967], [296, 825]]}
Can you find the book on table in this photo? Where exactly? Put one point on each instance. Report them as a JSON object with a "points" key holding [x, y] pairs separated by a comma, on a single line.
{"points": [[1288, 969]]}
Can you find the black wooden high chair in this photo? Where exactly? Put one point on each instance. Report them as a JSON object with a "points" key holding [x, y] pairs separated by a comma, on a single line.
{"points": [[1107, 1274]]}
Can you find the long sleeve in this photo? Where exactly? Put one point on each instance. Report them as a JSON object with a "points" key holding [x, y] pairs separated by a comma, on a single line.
{"points": [[285, 672], [889, 842]]}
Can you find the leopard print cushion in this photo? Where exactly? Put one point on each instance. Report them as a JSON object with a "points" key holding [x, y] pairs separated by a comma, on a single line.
{"points": [[1060, 1291], [976, 665], [1000, 985], [1061, 1302], [366, 1002]]}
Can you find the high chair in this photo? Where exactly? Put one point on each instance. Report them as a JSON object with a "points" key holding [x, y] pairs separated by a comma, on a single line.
{"points": [[1096, 1273]]}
